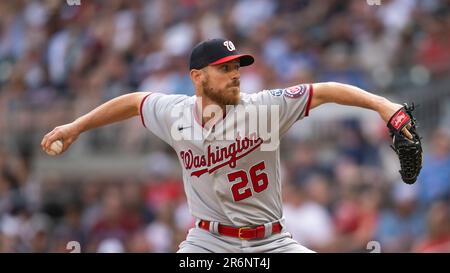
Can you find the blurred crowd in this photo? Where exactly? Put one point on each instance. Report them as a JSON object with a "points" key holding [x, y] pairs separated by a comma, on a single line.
{"points": [[58, 61]]}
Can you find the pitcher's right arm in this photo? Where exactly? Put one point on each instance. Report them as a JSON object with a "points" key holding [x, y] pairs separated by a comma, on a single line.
{"points": [[115, 110]]}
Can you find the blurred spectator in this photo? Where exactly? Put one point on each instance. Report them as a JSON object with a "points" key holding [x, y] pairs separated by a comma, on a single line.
{"points": [[320, 190], [138, 243], [399, 226], [434, 179], [113, 222], [433, 50], [69, 229], [376, 49], [354, 146], [307, 221], [356, 218], [160, 233], [305, 163], [437, 238]]}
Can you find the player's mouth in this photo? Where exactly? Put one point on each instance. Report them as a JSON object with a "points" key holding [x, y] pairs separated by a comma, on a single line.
{"points": [[234, 89], [234, 85]]}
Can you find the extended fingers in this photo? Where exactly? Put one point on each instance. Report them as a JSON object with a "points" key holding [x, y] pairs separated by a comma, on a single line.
{"points": [[407, 133]]}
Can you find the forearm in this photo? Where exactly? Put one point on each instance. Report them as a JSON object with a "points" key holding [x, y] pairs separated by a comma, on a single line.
{"points": [[332, 92], [115, 110], [345, 94]]}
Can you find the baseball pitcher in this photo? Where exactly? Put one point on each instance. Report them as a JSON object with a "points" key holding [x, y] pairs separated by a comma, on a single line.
{"points": [[227, 143]]}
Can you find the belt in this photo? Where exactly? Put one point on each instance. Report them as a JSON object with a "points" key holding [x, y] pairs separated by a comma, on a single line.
{"points": [[243, 233]]}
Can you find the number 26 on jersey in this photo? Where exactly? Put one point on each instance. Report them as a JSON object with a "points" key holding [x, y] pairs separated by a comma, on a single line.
{"points": [[240, 188]]}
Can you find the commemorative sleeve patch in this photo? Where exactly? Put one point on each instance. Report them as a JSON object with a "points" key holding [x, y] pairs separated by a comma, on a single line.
{"points": [[296, 91]]}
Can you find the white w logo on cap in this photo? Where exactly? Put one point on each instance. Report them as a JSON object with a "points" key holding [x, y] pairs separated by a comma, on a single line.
{"points": [[229, 45]]}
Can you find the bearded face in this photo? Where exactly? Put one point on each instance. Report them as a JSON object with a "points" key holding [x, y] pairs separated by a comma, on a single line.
{"points": [[227, 95]]}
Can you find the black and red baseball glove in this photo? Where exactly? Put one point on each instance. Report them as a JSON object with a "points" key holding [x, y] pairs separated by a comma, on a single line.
{"points": [[409, 151]]}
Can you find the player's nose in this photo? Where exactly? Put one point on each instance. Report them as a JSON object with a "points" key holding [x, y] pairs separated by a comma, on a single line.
{"points": [[236, 75]]}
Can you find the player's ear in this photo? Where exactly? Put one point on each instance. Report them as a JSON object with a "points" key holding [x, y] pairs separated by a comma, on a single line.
{"points": [[197, 76]]}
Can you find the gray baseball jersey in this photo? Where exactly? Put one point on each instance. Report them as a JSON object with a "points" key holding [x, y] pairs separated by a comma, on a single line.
{"points": [[231, 172]]}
